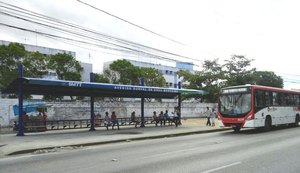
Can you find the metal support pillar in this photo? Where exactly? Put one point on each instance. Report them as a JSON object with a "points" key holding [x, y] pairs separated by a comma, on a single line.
{"points": [[179, 103], [92, 106], [20, 98], [142, 106]]}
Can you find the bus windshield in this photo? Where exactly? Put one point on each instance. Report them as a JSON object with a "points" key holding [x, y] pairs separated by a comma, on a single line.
{"points": [[235, 104]]}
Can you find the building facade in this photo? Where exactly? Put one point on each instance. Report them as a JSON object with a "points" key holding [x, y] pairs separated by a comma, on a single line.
{"points": [[49, 74], [40, 49], [168, 72]]}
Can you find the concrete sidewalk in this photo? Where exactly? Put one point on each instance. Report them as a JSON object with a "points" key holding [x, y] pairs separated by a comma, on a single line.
{"points": [[11, 144]]}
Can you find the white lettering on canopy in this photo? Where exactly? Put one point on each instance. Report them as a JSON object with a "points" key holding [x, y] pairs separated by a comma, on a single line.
{"points": [[75, 84]]}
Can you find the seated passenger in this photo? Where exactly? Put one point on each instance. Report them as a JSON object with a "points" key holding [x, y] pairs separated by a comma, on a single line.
{"points": [[134, 119], [98, 119], [107, 121], [114, 120], [155, 118], [165, 117]]}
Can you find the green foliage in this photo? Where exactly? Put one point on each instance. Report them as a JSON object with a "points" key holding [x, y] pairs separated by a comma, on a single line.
{"points": [[9, 57], [35, 64], [236, 71], [65, 66], [208, 79], [100, 78], [212, 77], [123, 72], [152, 77], [267, 78]]}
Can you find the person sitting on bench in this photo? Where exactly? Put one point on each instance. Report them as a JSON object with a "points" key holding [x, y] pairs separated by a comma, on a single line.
{"points": [[107, 121], [155, 118], [134, 119], [114, 120]]}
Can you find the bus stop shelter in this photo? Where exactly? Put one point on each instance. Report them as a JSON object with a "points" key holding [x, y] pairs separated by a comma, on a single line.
{"points": [[37, 86]]}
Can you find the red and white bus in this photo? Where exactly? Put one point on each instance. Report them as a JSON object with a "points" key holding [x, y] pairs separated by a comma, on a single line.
{"points": [[258, 106]]}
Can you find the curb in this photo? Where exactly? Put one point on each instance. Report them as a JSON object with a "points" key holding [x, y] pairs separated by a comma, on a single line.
{"points": [[117, 141]]}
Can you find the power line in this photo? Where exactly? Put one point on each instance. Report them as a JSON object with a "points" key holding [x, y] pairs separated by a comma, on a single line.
{"points": [[138, 26], [288, 74], [84, 42], [54, 22]]}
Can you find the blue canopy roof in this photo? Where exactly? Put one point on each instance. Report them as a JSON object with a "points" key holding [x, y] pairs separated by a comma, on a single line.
{"points": [[77, 88], [29, 107]]}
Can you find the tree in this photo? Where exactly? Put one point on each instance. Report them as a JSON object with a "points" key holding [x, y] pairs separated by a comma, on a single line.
{"points": [[35, 64], [267, 78], [65, 66], [123, 72], [111, 76], [195, 80], [213, 79], [101, 78], [9, 57], [209, 79], [236, 72], [152, 77]]}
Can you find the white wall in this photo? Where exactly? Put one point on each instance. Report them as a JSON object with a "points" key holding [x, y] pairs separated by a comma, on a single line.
{"points": [[87, 69], [6, 111], [81, 109]]}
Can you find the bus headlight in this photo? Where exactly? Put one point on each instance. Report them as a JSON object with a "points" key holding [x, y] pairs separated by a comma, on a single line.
{"points": [[249, 117]]}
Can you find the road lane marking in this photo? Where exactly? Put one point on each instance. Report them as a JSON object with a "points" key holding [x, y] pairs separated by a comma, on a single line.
{"points": [[222, 167]]}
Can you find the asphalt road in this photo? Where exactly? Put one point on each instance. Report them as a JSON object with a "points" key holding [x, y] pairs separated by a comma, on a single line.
{"points": [[248, 151]]}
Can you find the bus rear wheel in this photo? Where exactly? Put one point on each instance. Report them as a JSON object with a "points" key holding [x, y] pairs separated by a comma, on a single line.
{"points": [[297, 121], [268, 123]]}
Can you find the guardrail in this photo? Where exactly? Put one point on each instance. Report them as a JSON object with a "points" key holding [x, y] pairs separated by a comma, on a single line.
{"points": [[39, 125]]}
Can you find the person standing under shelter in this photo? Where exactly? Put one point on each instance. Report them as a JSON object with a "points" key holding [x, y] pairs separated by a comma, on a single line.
{"points": [[213, 117], [176, 115], [207, 114], [114, 120], [45, 117], [161, 117]]}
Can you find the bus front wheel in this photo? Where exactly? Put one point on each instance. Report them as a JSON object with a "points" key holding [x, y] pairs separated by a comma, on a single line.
{"points": [[268, 123], [236, 129]]}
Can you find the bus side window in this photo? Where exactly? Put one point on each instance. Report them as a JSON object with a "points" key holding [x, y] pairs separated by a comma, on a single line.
{"points": [[290, 99], [297, 99], [275, 99], [282, 100], [259, 100], [268, 98]]}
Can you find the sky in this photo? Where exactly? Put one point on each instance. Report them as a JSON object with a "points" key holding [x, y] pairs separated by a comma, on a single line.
{"points": [[266, 31]]}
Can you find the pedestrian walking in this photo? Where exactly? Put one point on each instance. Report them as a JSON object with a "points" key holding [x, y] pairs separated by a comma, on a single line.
{"points": [[207, 114]]}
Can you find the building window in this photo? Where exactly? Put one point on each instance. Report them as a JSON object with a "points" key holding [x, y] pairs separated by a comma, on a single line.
{"points": [[175, 85], [167, 84], [167, 71], [171, 84], [171, 72]]}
